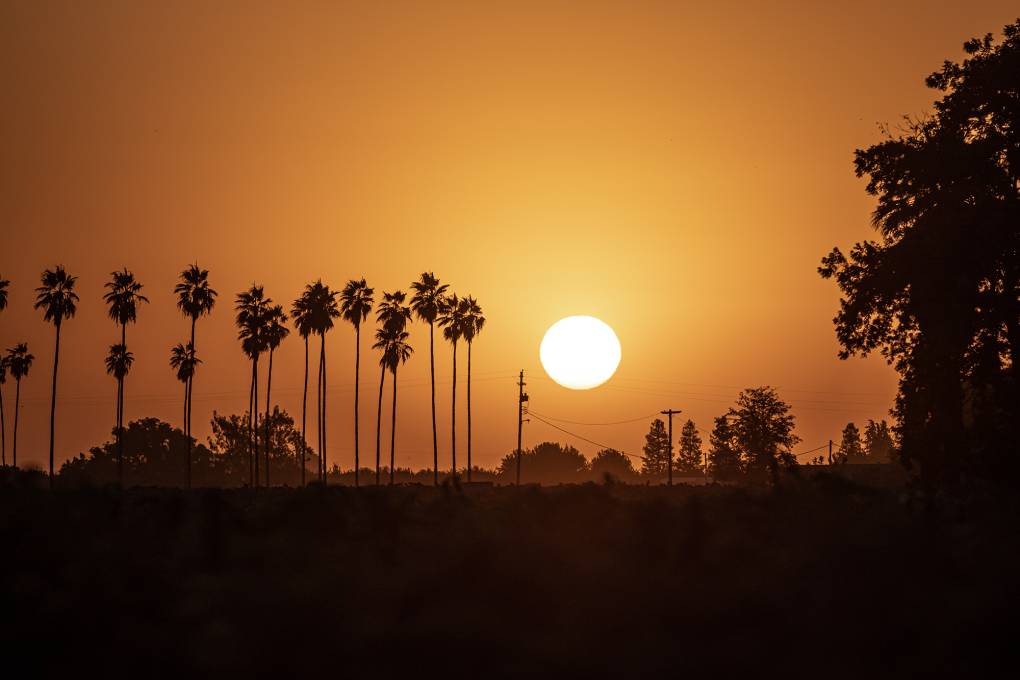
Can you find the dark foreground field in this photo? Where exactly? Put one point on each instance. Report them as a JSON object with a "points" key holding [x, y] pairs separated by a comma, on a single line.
{"points": [[819, 578]]}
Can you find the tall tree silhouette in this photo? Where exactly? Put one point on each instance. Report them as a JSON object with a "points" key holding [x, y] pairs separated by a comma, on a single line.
{"points": [[195, 298], [392, 315], [689, 456], [355, 305], [323, 309], [252, 307], [118, 364], [184, 361], [451, 318], [426, 302], [395, 351], [57, 299], [473, 324], [301, 313], [656, 449], [123, 297], [19, 361], [879, 445], [274, 331], [938, 294], [851, 449], [724, 461], [763, 430]]}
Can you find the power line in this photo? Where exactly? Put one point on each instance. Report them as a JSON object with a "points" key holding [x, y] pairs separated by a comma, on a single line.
{"points": [[817, 448], [577, 436], [618, 422]]}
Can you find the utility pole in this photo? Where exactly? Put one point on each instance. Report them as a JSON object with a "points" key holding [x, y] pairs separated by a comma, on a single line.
{"points": [[522, 399], [830, 452], [669, 461]]}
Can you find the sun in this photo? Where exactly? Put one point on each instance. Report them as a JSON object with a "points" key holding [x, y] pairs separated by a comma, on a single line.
{"points": [[580, 352]]}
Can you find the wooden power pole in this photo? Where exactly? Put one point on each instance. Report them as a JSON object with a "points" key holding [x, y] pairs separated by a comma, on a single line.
{"points": [[669, 461], [522, 399]]}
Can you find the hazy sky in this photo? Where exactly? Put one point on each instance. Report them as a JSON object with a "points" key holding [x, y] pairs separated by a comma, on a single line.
{"points": [[676, 169]]}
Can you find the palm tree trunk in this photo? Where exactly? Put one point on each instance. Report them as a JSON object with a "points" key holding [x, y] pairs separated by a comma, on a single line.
{"points": [[357, 375], [325, 422], [53, 398], [453, 417], [269, 387], [3, 432], [378, 423], [187, 405], [318, 420], [251, 409], [303, 453], [432, 379], [255, 425], [393, 428], [469, 412], [188, 388], [14, 441], [120, 431], [120, 413], [187, 422]]}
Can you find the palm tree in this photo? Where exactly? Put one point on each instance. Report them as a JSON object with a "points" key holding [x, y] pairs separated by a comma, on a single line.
{"points": [[355, 305], [393, 316], [472, 324], [118, 363], [428, 296], [3, 293], [252, 308], [301, 313], [323, 310], [57, 299], [395, 351], [19, 361], [184, 361], [123, 297], [274, 331], [451, 318], [194, 298]]}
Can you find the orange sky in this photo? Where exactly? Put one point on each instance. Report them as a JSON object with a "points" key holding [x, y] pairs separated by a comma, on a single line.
{"points": [[675, 169]]}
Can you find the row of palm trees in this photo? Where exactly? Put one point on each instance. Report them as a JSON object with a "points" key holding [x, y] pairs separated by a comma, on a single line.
{"points": [[262, 327], [17, 361]]}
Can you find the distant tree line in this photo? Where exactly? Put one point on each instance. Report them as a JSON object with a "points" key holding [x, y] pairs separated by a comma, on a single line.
{"points": [[751, 443]]}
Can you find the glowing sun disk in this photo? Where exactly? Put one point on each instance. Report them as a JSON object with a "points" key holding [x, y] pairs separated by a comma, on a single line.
{"points": [[580, 352]]}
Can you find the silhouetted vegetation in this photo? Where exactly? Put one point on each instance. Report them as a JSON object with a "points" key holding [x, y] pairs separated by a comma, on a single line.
{"points": [[547, 463], [689, 455], [355, 306], [58, 301], [195, 298], [591, 580], [939, 293], [426, 301], [155, 455], [612, 465], [656, 450]]}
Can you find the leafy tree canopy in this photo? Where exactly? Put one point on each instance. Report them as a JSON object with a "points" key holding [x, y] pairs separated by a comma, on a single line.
{"points": [[938, 292]]}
